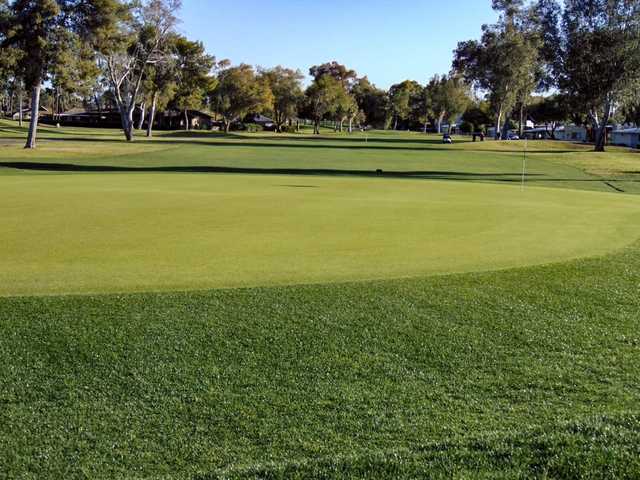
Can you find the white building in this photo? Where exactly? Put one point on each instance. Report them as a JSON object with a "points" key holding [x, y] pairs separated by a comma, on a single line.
{"points": [[629, 137], [573, 133]]}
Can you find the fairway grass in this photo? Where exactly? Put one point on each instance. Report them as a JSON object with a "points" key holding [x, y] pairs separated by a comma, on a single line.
{"points": [[433, 321], [526, 373], [149, 232]]}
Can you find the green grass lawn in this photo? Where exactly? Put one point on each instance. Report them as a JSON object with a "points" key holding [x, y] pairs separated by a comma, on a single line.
{"points": [[145, 232], [347, 357]]}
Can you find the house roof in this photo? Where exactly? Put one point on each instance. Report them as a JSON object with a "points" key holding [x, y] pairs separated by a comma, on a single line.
{"points": [[260, 119], [28, 110], [630, 131]]}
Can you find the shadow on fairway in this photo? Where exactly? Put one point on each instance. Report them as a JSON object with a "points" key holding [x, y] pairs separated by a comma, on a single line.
{"points": [[420, 174]]}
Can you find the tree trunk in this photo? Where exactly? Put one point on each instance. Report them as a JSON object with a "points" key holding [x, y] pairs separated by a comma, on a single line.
{"points": [[395, 124], [35, 110], [187, 127], [439, 122], [600, 128], [498, 124], [425, 127], [350, 125], [521, 125], [316, 127], [152, 115], [143, 108], [505, 127], [20, 107], [227, 126], [126, 117], [601, 137]]}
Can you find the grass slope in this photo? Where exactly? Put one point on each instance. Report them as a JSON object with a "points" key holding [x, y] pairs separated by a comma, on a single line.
{"points": [[517, 374], [132, 232]]}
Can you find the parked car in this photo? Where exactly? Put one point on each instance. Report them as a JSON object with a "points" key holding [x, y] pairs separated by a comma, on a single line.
{"points": [[513, 136], [446, 138]]}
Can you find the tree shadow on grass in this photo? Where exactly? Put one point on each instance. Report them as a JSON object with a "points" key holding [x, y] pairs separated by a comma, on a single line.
{"points": [[418, 174]]}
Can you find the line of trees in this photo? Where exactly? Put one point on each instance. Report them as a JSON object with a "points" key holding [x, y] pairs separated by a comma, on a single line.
{"points": [[587, 52], [576, 61]]}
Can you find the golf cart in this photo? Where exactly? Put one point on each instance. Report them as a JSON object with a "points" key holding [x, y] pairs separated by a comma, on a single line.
{"points": [[446, 138]]}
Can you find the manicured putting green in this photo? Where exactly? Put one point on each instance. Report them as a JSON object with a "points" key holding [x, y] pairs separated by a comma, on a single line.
{"points": [[145, 232]]}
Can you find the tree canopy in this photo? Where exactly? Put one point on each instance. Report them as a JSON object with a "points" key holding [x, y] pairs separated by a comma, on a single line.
{"points": [[571, 61]]}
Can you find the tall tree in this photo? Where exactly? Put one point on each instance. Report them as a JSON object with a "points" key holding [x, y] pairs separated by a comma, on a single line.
{"points": [[448, 96], [74, 73], [160, 87], [600, 57], [286, 87], [336, 70], [345, 108], [194, 67], [42, 29], [240, 92], [478, 114], [403, 99], [501, 63], [323, 97], [127, 52], [372, 101], [552, 111]]}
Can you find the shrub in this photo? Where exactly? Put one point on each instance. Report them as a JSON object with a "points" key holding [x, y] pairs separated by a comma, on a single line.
{"points": [[253, 128], [288, 129], [467, 127]]}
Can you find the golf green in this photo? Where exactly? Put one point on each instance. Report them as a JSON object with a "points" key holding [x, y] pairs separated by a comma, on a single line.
{"points": [[90, 233]]}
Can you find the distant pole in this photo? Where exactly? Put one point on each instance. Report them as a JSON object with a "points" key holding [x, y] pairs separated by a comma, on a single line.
{"points": [[524, 163]]}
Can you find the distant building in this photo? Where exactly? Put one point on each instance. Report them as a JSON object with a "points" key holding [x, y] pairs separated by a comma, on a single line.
{"points": [[258, 119], [110, 118], [80, 117], [26, 113], [574, 133], [543, 133], [628, 137], [175, 120]]}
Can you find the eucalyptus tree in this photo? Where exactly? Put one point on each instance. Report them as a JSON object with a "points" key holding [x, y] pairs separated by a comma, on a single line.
{"points": [[323, 97], [599, 58], [160, 86], [340, 72], [552, 110], [127, 52], [502, 62], [239, 92], [74, 74], [372, 101], [286, 87], [447, 97], [345, 106], [403, 100], [193, 67], [42, 30]]}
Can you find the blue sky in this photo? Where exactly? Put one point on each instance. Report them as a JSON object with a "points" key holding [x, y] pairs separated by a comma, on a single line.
{"points": [[389, 41]]}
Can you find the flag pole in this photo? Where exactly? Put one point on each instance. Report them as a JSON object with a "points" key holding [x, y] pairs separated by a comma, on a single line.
{"points": [[524, 163]]}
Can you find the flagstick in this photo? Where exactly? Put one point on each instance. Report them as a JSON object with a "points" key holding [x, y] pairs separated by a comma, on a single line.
{"points": [[524, 164]]}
